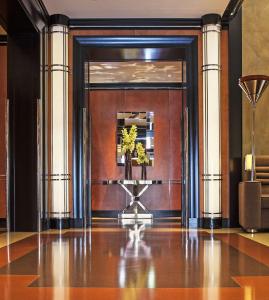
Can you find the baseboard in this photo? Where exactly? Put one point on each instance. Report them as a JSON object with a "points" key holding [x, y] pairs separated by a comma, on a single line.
{"points": [[194, 222], [78, 223], [63, 223], [3, 223], [166, 213], [156, 213], [211, 223], [45, 224], [226, 223]]}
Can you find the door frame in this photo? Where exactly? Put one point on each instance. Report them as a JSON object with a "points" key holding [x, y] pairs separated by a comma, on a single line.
{"points": [[81, 44]]}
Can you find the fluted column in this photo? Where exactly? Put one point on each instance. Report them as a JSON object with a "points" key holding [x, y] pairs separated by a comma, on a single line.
{"points": [[211, 120], [59, 176]]}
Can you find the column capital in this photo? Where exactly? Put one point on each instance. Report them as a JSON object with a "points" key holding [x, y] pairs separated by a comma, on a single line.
{"points": [[211, 19], [58, 19]]}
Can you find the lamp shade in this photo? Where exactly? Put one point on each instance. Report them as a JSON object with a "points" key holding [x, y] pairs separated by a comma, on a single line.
{"points": [[254, 86]]}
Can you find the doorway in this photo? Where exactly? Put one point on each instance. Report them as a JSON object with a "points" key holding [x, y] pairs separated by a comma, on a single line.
{"points": [[179, 193]]}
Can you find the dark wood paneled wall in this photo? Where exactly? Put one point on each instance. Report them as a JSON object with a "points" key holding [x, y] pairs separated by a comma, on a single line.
{"points": [[23, 92], [3, 154], [22, 24], [167, 107]]}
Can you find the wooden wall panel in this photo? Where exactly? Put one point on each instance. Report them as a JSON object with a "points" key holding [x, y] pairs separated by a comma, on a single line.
{"points": [[103, 109], [166, 105], [3, 155]]}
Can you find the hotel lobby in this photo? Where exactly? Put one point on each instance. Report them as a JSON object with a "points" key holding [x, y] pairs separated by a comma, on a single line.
{"points": [[134, 158]]}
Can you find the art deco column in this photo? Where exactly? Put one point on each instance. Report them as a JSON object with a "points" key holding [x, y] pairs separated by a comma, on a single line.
{"points": [[59, 177], [211, 121]]}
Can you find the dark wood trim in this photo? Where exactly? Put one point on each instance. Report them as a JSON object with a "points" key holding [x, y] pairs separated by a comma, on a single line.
{"points": [[231, 10], [23, 92], [137, 86], [36, 12], [135, 23], [235, 114]]}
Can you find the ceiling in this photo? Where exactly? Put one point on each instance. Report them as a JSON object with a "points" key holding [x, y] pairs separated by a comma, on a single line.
{"points": [[135, 8]]}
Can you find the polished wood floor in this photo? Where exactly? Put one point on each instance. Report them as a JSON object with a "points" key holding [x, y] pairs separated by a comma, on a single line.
{"points": [[111, 261]]}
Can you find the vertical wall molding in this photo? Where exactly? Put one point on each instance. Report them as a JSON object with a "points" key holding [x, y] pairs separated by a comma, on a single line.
{"points": [[212, 120], [59, 174]]}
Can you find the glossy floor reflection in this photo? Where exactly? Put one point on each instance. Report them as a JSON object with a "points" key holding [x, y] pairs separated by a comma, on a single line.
{"points": [[136, 261]]}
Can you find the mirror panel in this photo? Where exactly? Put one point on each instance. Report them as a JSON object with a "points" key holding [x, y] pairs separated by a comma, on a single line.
{"points": [[136, 72], [145, 134]]}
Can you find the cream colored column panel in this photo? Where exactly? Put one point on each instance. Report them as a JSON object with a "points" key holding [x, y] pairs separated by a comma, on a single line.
{"points": [[59, 122], [211, 122]]}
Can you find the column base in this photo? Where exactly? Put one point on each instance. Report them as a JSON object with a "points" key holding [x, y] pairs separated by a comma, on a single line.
{"points": [[212, 223], [59, 223]]}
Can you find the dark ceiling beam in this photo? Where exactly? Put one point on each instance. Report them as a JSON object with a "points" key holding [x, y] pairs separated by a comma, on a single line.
{"points": [[135, 23]]}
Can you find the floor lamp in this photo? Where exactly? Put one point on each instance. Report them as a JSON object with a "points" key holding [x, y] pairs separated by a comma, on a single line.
{"points": [[253, 86]]}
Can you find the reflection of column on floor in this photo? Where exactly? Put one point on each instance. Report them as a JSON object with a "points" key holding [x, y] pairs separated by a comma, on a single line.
{"points": [[212, 268], [60, 268]]}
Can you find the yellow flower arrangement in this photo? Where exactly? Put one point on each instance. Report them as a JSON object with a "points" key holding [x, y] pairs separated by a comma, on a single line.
{"points": [[128, 139], [142, 157]]}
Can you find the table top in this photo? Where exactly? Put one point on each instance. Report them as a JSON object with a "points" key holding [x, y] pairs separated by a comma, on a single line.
{"points": [[132, 182]]}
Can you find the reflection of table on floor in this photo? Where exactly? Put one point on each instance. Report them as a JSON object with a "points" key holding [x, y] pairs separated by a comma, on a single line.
{"points": [[135, 209]]}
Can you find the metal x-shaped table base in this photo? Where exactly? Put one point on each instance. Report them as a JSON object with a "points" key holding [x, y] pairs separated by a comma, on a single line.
{"points": [[135, 209]]}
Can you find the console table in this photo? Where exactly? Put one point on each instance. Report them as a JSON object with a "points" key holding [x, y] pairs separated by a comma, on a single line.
{"points": [[135, 209]]}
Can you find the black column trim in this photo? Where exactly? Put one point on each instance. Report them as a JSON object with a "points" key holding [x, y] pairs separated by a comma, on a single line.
{"points": [[58, 19], [211, 19]]}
